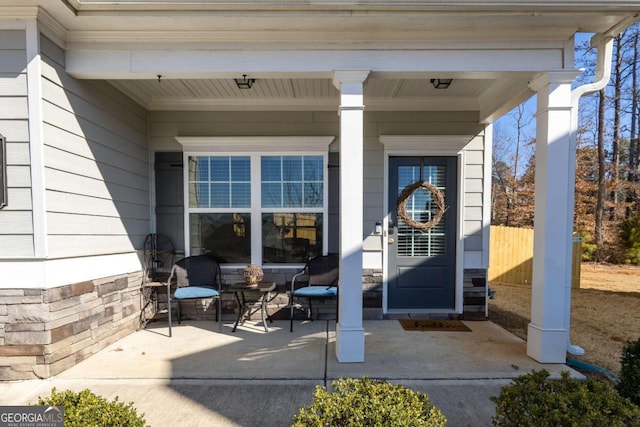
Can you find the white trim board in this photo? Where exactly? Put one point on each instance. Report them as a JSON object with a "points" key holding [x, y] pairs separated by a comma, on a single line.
{"points": [[45, 274], [445, 144], [246, 144]]}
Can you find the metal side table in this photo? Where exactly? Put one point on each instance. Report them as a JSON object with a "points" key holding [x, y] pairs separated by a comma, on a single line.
{"points": [[250, 300]]}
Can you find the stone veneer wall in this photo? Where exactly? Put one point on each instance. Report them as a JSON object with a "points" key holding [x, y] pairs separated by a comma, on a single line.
{"points": [[475, 294], [45, 331]]}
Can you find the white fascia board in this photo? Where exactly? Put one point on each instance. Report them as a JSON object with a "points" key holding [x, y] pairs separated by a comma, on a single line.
{"points": [[18, 12], [241, 104], [254, 143], [52, 28], [309, 104], [433, 5], [119, 64], [179, 39]]}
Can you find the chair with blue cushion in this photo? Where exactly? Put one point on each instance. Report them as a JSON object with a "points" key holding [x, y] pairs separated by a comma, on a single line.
{"points": [[321, 275], [195, 277]]}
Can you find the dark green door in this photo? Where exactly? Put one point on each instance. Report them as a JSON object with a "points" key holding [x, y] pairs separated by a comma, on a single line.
{"points": [[422, 264]]}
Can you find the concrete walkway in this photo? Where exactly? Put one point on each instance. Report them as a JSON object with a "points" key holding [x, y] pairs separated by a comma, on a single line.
{"points": [[201, 377]]}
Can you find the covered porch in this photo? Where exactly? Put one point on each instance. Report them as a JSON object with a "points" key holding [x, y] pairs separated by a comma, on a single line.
{"points": [[126, 118], [207, 377]]}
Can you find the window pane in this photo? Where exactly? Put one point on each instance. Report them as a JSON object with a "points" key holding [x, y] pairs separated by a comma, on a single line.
{"points": [[271, 195], [291, 237], [241, 195], [240, 169], [225, 236], [201, 167], [292, 195], [214, 179], [271, 168], [220, 195], [199, 195], [292, 168], [301, 181], [219, 169], [313, 170], [313, 194], [421, 208]]}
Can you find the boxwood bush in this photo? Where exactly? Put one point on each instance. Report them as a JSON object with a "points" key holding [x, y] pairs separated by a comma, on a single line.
{"points": [[629, 384], [369, 403], [536, 400], [85, 409]]}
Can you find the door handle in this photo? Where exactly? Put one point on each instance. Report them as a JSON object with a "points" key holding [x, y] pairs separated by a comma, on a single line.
{"points": [[391, 240]]}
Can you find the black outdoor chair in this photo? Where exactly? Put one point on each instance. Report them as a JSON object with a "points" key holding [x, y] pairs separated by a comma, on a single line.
{"points": [[158, 258], [196, 277], [159, 254], [322, 274]]}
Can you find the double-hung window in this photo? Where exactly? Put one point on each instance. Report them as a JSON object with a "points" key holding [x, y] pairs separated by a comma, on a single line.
{"points": [[257, 205]]}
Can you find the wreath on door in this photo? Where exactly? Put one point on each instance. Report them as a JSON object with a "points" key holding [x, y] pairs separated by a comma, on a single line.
{"points": [[437, 197]]}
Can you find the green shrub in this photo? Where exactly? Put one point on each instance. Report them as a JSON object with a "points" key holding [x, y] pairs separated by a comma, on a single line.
{"points": [[630, 238], [629, 384], [588, 245], [367, 403], [536, 400], [85, 409]]}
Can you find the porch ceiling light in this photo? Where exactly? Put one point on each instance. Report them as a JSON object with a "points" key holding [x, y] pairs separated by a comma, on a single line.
{"points": [[441, 83], [245, 83]]}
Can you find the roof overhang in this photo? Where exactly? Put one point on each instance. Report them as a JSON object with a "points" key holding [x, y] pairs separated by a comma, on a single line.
{"points": [[492, 49]]}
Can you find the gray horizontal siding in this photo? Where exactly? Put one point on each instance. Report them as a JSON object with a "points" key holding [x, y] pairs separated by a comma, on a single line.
{"points": [[14, 107], [96, 164], [16, 219], [473, 197], [16, 222], [16, 245]]}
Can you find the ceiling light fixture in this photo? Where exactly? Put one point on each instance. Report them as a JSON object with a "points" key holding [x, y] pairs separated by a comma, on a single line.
{"points": [[441, 83], [245, 83]]}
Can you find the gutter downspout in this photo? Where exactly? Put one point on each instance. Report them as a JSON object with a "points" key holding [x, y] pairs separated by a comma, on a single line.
{"points": [[604, 44]]}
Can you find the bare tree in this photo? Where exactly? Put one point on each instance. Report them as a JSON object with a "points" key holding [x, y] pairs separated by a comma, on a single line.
{"points": [[615, 143], [598, 232]]}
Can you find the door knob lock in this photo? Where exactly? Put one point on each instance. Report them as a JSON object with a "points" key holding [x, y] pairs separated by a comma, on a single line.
{"points": [[391, 241]]}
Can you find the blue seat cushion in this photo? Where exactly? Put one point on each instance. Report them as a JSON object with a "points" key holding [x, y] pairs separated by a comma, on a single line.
{"points": [[316, 292], [189, 292]]}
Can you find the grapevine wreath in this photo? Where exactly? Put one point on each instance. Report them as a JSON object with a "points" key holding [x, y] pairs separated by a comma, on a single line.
{"points": [[438, 199]]}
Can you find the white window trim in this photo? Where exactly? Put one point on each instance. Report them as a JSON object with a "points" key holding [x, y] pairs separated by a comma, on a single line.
{"points": [[255, 148]]}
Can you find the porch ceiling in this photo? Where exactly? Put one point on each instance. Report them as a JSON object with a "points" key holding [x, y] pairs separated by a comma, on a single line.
{"points": [[308, 94]]}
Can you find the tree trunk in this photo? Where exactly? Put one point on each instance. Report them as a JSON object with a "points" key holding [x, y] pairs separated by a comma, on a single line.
{"points": [[601, 179], [615, 148], [634, 109], [633, 137]]}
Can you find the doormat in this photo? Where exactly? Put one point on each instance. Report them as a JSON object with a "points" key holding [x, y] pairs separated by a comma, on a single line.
{"points": [[434, 325]]}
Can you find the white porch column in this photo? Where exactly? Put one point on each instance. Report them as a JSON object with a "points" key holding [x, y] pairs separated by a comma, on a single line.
{"points": [[349, 330], [553, 226]]}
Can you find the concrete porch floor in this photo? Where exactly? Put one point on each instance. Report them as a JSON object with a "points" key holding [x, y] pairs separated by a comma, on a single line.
{"points": [[203, 377]]}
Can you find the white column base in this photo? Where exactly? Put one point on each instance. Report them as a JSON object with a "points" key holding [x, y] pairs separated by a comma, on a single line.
{"points": [[546, 345], [349, 344]]}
